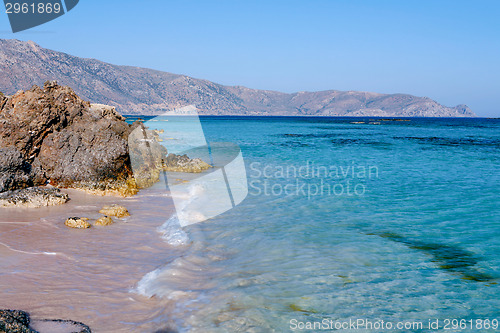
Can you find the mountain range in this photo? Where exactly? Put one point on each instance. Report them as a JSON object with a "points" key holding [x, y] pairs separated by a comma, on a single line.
{"points": [[135, 90]]}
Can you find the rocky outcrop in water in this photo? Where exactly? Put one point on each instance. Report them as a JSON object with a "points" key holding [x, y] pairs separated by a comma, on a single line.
{"points": [[182, 163], [149, 158], [33, 197], [104, 221], [77, 222], [115, 210]]}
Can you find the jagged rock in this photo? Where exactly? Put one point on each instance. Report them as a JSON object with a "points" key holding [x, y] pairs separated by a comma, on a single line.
{"points": [[68, 141], [15, 321], [77, 222], [146, 154], [33, 197], [149, 157], [3, 100], [118, 187], [54, 136], [115, 210], [14, 170], [103, 221], [182, 163]]}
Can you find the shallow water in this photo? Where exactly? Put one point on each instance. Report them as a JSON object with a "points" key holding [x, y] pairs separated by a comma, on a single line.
{"points": [[395, 222], [55, 272]]}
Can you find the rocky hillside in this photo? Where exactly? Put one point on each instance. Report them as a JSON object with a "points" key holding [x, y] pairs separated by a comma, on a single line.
{"points": [[134, 90]]}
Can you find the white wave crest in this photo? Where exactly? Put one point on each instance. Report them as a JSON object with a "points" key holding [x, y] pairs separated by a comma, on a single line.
{"points": [[172, 232]]}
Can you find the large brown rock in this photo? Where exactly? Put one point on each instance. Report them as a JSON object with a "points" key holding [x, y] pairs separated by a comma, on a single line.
{"points": [[64, 140], [50, 135]]}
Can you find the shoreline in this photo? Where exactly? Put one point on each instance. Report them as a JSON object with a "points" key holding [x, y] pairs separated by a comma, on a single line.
{"points": [[52, 271]]}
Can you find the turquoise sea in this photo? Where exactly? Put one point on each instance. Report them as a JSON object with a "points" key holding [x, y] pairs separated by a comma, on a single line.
{"points": [[381, 222]]}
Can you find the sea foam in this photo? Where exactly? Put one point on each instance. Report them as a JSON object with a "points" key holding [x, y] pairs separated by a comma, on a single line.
{"points": [[172, 232]]}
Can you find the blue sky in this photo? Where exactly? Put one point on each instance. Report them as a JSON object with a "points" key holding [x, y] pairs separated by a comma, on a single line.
{"points": [[446, 50]]}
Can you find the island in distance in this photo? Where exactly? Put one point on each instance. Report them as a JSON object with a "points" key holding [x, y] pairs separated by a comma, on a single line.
{"points": [[134, 90]]}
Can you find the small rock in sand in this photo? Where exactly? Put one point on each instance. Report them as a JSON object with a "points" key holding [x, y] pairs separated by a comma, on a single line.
{"points": [[77, 222], [115, 210], [105, 220]]}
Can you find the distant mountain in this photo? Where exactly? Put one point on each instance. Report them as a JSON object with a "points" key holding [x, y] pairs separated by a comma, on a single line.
{"points": [[135, 90]]}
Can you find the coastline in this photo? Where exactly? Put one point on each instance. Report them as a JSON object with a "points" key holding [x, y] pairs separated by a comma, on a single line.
{"points": [[263, 264], [52, 271]]}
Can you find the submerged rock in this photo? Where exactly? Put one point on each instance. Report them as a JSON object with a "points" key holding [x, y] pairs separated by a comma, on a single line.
{"points": [[447, 257], [115, 210], [77, 222], [33, 197], [103, 221]]}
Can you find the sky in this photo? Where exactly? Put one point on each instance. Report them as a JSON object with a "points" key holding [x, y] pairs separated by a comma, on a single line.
{"points": [[446, 50]]}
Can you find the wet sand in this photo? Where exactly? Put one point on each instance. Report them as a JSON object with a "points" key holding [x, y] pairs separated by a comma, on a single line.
{"points": [[53, 271]]}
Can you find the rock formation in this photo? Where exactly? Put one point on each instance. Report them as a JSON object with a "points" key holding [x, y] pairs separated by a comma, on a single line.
{"points": [[149, 158], [16, 172], [182, 163], [77, 222], [115, 210], [33, 197], [50, 135], [103, 221], [15, 321]]}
